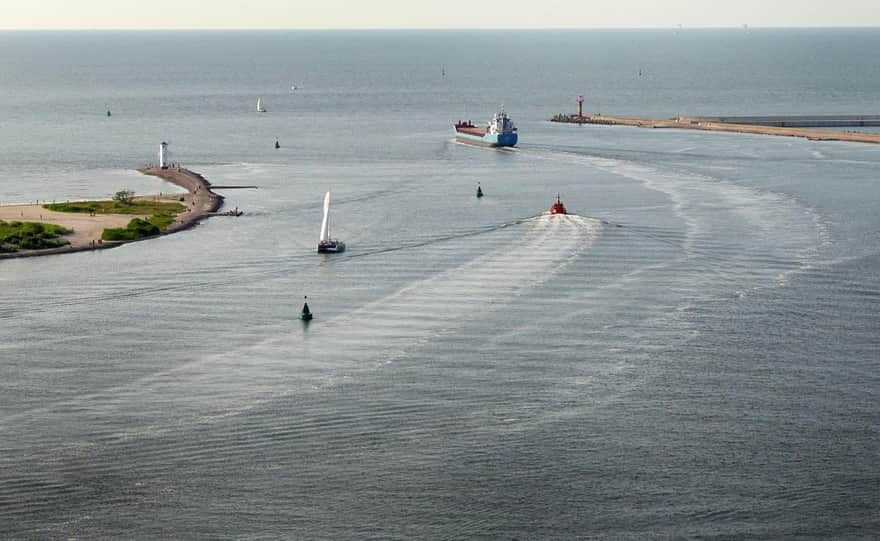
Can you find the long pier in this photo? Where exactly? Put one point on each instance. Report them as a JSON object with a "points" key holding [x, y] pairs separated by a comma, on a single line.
{"points": [[799, 121], [698, 123]]}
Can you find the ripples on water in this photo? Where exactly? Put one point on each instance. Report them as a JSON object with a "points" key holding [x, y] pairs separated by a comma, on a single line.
{"points": [[691, 354]]}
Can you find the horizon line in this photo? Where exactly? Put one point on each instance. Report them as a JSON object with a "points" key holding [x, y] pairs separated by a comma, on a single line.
{"points": [[440, 29]]}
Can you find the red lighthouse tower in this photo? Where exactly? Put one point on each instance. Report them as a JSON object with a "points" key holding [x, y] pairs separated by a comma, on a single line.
{"points": [[580, 107]]}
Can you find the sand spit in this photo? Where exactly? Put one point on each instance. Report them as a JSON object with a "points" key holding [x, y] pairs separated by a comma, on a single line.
{"points": [[200, 202]]}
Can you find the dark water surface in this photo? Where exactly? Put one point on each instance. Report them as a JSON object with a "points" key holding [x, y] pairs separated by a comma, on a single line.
{"points": [[695, 353]]}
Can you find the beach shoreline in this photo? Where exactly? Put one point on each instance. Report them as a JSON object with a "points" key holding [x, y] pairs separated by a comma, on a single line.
{"points": [[199, 200]]}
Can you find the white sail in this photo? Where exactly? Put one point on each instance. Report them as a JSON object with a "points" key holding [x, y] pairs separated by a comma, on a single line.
{"points": [[325, 224], [260, 105]]}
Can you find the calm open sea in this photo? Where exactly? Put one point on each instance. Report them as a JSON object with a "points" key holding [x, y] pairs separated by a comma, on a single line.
{"points": [[694, 353]]}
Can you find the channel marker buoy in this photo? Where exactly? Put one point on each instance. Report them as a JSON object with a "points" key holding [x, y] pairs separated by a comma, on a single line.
{"points": [[305, 314]]}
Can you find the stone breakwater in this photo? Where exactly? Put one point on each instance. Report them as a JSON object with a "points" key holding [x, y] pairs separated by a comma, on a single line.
{"points": [[201, 203], [687, 123]]}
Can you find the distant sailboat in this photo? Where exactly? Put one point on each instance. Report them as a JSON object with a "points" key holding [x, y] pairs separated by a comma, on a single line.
{"points": [[260, 108], [326, 245]]}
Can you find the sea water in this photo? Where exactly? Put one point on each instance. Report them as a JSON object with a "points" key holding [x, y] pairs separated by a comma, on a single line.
{"points": [[692, 353]]}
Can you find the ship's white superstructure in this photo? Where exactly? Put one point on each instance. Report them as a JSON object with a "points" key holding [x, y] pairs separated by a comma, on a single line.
{"points": [[501, 124]]}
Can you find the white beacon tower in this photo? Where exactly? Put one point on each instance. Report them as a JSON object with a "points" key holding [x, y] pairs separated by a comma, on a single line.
{"points": [[163, 155]]}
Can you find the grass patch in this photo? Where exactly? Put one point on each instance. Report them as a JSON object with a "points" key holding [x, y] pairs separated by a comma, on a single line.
{"points": [[17, 235], [162, 221], [118, 207], [162, 214], [136, 229]]}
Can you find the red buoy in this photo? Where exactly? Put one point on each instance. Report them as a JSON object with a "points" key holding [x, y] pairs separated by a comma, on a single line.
{"points": [[558, 207]]}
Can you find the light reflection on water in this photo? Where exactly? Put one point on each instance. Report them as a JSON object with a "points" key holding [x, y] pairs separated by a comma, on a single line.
{"points": [[686, 355]]}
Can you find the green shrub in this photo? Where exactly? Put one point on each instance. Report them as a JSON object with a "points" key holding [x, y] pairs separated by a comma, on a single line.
{"points": [[32, 229], [162, 221], [124, 197], [136, 229], [30, 236], [39, 243]]}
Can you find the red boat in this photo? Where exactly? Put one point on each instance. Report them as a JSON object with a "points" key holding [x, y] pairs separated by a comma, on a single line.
{"points": [[558, 207]]}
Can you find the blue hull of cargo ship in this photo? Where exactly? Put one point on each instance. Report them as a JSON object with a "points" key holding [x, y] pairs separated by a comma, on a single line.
{"points": [[489, 140]]}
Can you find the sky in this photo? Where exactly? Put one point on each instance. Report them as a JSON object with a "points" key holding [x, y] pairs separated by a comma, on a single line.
{"points": [[340, 14]]}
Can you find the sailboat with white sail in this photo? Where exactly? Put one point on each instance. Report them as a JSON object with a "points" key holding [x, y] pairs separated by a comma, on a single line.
{"points": [[326, 245], [260, 108]]}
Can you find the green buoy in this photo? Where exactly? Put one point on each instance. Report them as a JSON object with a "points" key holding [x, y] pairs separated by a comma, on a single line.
{"points": [[277, 145], [305, 314], [479, 190]]}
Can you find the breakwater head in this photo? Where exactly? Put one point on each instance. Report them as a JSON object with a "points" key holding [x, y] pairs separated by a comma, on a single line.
{"points": [[771, 125]]}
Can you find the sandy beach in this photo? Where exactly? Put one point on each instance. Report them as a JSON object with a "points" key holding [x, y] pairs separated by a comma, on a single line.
{"points": [[200, 202]]}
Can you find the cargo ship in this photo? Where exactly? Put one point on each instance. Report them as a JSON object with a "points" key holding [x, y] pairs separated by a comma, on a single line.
{"points": [[499, 133]]}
